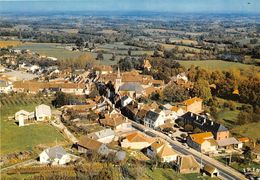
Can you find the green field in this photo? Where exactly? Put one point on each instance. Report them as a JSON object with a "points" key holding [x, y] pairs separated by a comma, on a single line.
{"points": [[51, 49], [56, 50], [216, 65], [250, 130], [14, 138]]}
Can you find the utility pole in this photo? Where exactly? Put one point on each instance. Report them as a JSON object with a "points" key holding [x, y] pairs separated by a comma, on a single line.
{"points": [[230, 158]]}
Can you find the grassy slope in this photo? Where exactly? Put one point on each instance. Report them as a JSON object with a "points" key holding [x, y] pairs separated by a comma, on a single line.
{"points": [[229, 117], [250, 130], [166, 173], [14, 138], [51, 49], [216, 64]]}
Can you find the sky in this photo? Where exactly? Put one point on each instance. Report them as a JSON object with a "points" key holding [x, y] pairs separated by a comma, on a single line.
{"points": [[179, 6]]}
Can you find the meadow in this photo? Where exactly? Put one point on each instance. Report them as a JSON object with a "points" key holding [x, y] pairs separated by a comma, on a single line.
{"points": [[14, 138], [216, 65], [51, 49]]}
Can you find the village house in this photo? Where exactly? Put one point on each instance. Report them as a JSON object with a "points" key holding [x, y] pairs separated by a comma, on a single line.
{"points": [[136, 140], [35, 87], [115, 121], [103, 69], [134, 112], [178, 111], [162, 150], [229, 143], [133, 80], [42, 112], [104, 136], [193, 105], [154, 119], [219, 131], [125, 100], [182, 79], [54, 155], [5, 87], [187, 164], [88, 145], [24, 117], [203, 142]]}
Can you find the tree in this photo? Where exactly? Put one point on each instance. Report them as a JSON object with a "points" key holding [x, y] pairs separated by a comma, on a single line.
{"points": [[253, 41], [155, 96], [79, 43], [94, 92], [175, 93], [183, 135], [100, 56], [129, 52], [202, 90], [247, 154], [156, 54], [197, 130], [113, 58], [244, 117], [188, 128]]}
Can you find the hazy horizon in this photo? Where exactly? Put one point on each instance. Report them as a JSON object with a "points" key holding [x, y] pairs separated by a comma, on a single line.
{"points": [[174, 6]]}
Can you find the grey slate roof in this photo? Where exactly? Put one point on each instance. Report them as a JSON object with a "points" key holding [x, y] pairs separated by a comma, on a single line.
{"points": [[120, 156], [55, 152], [203, 123], [227, 142], [152, 115], [131, 86]]}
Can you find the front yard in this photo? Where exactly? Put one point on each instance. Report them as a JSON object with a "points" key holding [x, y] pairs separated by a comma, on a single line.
{"points": [[14, 138]]}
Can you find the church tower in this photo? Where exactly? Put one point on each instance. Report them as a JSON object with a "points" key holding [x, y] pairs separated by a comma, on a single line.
{"points": [[118, 80]]}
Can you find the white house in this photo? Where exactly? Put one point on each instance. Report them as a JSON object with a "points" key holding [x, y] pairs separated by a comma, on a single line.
{"points": [[153, 119], [104, 136], [54, 155], [21, 113], [125, 100], [33, 68], [5, 87], [43, 112]]}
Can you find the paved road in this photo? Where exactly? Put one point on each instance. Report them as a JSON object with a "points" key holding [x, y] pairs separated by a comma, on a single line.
{"points": [[226, 172]]}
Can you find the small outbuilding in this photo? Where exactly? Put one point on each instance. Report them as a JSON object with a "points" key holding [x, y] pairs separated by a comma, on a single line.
{"points": [[211, 170]]}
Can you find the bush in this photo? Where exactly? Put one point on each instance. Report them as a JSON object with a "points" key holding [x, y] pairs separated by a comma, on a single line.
{"points": [[197, 130], [188, 128]]}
